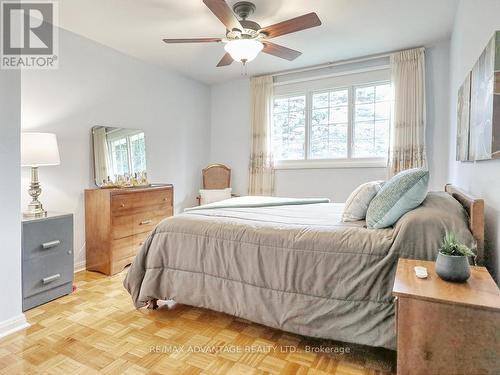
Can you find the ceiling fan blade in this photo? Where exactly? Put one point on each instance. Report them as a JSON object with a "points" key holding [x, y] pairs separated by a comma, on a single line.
{"points": [[193, 40], [280, 51], [295, 24], [224, 13], [226, 60]]}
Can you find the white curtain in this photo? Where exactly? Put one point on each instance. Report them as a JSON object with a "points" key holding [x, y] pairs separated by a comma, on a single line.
{"points": [[408, 130], [101, 155], [261, 159]]}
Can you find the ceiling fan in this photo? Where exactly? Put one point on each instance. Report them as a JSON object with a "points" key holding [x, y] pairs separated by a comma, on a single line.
{"points": [[245, 39]]}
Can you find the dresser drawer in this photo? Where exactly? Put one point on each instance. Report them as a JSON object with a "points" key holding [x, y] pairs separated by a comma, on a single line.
{"points": [[48, 272], [48, 236], [128, 225], [122, 226], [127, 247], [139, 201], [139, 240], [122, 248], [147, 221]]}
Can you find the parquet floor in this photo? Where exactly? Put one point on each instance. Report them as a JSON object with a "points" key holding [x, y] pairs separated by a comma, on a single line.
{"points": [[96, 330]]}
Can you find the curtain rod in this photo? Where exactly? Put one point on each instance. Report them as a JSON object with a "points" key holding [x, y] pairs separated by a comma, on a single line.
{"points": [[334, 63]]}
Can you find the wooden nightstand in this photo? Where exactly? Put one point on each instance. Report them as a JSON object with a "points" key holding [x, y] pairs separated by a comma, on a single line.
{"points": [[446, 328]]}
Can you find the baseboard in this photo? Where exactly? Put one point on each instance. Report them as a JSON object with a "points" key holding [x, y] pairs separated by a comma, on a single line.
{"points": [[12, 325], [80, 266]]}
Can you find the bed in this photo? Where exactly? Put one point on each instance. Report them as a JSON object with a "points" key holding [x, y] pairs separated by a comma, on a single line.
{"points": [[293, 265]]}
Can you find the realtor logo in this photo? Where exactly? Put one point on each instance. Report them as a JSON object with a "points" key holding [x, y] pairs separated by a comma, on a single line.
{"points": [[29, 38]]}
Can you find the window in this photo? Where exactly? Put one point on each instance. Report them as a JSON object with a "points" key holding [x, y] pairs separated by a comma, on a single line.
{"points": [[289, 130], [119, 156], [329, 124], [349, 124], [138, 152], [372, 108], [127, 153]]}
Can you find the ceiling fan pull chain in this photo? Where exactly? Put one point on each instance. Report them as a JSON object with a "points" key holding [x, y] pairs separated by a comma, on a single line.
{"points": [[243, 67]]}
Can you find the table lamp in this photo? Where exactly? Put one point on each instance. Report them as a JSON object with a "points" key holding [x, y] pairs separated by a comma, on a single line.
{"points": [[37, 150]]}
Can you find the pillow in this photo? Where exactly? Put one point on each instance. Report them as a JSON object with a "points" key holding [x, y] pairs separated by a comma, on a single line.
{"points": [[402, 193], [359, 200], [215, 195]]}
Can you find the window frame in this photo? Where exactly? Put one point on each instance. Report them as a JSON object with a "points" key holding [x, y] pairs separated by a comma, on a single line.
{"points": [[349, 161]]}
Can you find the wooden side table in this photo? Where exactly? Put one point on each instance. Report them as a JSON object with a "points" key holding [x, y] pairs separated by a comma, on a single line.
{"points": [[443, 327]]}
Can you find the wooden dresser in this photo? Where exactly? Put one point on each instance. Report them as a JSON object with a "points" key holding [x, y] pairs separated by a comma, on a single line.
{"points": [[444, 327], [117, 221]]}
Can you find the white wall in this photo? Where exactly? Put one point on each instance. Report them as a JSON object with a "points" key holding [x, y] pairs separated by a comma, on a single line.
{"points": [[475, 24], [96, 85], [438, 113], [230, 143], [11, 317], [333, 183], [230, 130]]}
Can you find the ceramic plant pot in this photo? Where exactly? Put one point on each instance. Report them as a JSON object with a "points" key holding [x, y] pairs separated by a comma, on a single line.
{"points": [[453, 268]]}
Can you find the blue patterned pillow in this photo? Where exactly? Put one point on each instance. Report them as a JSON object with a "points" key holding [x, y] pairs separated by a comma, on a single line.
{"points": [[402, 193]]}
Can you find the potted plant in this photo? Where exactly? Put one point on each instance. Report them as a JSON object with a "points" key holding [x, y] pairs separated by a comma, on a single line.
{"points": [[452, 263]]}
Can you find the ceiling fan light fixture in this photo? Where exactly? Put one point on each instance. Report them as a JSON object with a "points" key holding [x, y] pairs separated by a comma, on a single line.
{"points": [[243, 50]]}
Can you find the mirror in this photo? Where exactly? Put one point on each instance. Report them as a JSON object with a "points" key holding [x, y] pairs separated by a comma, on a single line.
{"points": [[119, 156]]}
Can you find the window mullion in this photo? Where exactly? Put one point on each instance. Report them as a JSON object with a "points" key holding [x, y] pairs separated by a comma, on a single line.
{"points": [[307, 117], [350, 123], [129, 156]]}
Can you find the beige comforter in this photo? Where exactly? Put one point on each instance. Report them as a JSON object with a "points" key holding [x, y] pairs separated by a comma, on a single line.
{"points": [[292, 267]]}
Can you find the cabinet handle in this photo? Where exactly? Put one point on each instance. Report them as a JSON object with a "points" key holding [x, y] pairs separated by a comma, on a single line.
{"points": [[48, 280], [48, 245], [145, 222]]}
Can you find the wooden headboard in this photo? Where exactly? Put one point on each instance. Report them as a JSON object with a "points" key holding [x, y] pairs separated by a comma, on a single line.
{"points": [[475, 210]]}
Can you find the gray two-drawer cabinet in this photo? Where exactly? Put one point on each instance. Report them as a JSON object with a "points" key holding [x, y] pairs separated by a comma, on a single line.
{"points": [[47, 261]]}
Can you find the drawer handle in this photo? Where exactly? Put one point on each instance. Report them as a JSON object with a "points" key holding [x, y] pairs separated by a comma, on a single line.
{"points": [[48, 245], [146, 222], [48, 280], [122, 205]]}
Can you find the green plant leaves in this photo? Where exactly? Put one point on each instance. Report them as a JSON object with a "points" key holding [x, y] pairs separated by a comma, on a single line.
{"points": [[451, 246]]}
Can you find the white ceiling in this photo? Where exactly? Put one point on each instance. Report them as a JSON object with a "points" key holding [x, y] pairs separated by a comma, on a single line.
{"points": [[351, 28]]}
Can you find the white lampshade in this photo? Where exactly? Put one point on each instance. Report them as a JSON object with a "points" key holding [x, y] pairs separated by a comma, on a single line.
{"points": [[243, 49], [39, 149]]}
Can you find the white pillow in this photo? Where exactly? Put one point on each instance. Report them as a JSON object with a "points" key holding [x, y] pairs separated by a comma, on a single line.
{"points": [[215, 195], [357, 204]]}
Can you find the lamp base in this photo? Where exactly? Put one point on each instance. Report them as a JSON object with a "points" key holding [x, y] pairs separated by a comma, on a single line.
{"points": [[35, 208]]}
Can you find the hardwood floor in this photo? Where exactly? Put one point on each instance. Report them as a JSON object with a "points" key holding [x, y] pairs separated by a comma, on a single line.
{"points": [[96, 330]]}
